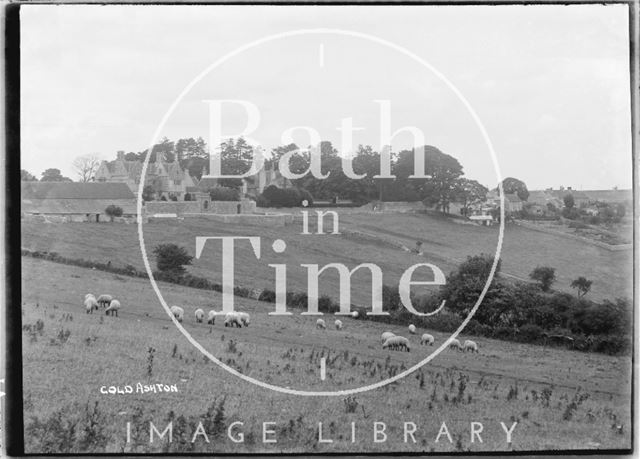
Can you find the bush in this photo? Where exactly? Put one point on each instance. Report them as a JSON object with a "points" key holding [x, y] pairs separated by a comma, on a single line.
{"points": [[571, 213], [579, 225], [171, 258], [545, 275], [279, 197], [530, 333], [261, 201], [268, 296], [221, 193], [113, 211]]}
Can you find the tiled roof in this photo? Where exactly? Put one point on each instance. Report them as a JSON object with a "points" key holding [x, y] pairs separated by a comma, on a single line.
{"points": [[73, 190], [512, 197]]}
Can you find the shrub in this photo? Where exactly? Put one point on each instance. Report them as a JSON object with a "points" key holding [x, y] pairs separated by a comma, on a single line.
{"points": [[571, 213], [530, 333], [221, 193], [261, 201], [545, 275], [279, 197], [579, 225], [113, 211], [305, 196], [268, 296], [171, 258]]}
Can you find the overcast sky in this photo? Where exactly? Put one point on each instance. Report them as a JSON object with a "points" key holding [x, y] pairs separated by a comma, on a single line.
{"points": [[549, 83]]}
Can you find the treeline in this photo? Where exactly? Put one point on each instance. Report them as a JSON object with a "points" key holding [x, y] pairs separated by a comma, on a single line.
{"points": [[510, 311], [447, 182]]}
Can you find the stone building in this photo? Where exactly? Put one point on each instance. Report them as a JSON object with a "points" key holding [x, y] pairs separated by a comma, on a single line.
{"points": [[168, 179]]}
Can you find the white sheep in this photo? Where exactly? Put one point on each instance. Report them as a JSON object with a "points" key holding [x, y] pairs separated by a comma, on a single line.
{"points": [[232, 319], [320, 324], [104, 300], [199, 313], [455, 344], [177, 312], [386, 336], [397, 343], [338, 324], [90, 304], [211, 318], [245, 318], [427, 339], [355, 314], [90, 295], [470, 346], [113, 308], [412, 329]]}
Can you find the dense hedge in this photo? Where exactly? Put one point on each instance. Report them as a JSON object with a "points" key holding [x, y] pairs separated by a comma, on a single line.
{"points": [[514, 312], [272, 196], [222, 193]]}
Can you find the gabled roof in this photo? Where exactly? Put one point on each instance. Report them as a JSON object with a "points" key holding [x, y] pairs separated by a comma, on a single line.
{"points": [[207, 182], [73, 190], [512, 197]]}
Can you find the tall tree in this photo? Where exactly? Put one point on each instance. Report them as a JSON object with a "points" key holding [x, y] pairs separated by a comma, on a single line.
{"points": [[54, 175], [25, 176], [86, 166], [582, 284], [469, 192], [236, 157], [439, 190], [513, 185], [545, 275]]}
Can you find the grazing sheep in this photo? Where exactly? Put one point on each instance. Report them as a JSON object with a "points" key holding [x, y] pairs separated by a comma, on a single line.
{"points": [[412, 329], [386, 336], [177, 312], [427, 339], [245, 318], [90, 295], [211, 318], [104, 300], [397, 343], [455, 344], [113, 308], [232, 319], [355, 314], [90, 304], [470, 346], [338, 325], [320, 324], [199, 313]]}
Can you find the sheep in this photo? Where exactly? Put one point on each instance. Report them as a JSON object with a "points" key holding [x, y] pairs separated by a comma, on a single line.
{"points": [[455, 344], [427, 339], [104, 300], [320, 324], [177, 312], [397, 343], [89, 295], [470, 346], [338, 325], [199, 313], [245, 318], [113, 308], [355, 314], [211, 318], [386, 336], [232, 319], [412, 329], [90, 304]]}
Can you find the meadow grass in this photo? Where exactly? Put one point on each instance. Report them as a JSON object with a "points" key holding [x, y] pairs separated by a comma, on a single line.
{"points": [[68, 355]]}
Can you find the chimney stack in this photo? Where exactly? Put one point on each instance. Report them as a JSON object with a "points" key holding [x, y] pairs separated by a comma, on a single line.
{"points": [[120, 155]]}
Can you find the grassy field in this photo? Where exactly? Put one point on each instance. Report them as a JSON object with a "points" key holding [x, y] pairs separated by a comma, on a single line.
{"points": [[445, 244], [560, 399]]}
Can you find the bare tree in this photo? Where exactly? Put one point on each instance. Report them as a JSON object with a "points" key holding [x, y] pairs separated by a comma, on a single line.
{"points": [[86, 166]]}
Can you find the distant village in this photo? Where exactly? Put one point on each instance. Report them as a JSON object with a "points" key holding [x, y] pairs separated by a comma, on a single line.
{"points": [[170, 191]]}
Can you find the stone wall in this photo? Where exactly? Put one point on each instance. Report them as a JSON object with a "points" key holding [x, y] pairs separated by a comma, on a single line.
{"points": [[271, 220], [171, 207]]}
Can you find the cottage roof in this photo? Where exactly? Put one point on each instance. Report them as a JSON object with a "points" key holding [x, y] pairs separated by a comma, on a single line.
{"points": [[207, 182], [76, 206], [512, 197], [73, 190]]}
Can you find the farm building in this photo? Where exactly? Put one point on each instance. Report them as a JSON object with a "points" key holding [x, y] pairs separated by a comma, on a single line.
{"points": [[168, 179], [75, 202]]}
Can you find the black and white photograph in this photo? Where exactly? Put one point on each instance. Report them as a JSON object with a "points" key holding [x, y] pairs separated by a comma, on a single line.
{"points": [[321, 228]]}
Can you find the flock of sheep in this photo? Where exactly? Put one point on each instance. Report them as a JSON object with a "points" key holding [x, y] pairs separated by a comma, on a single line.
{"points": [[231, 319], [400, 343], [110, 305], [242, 319]]}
